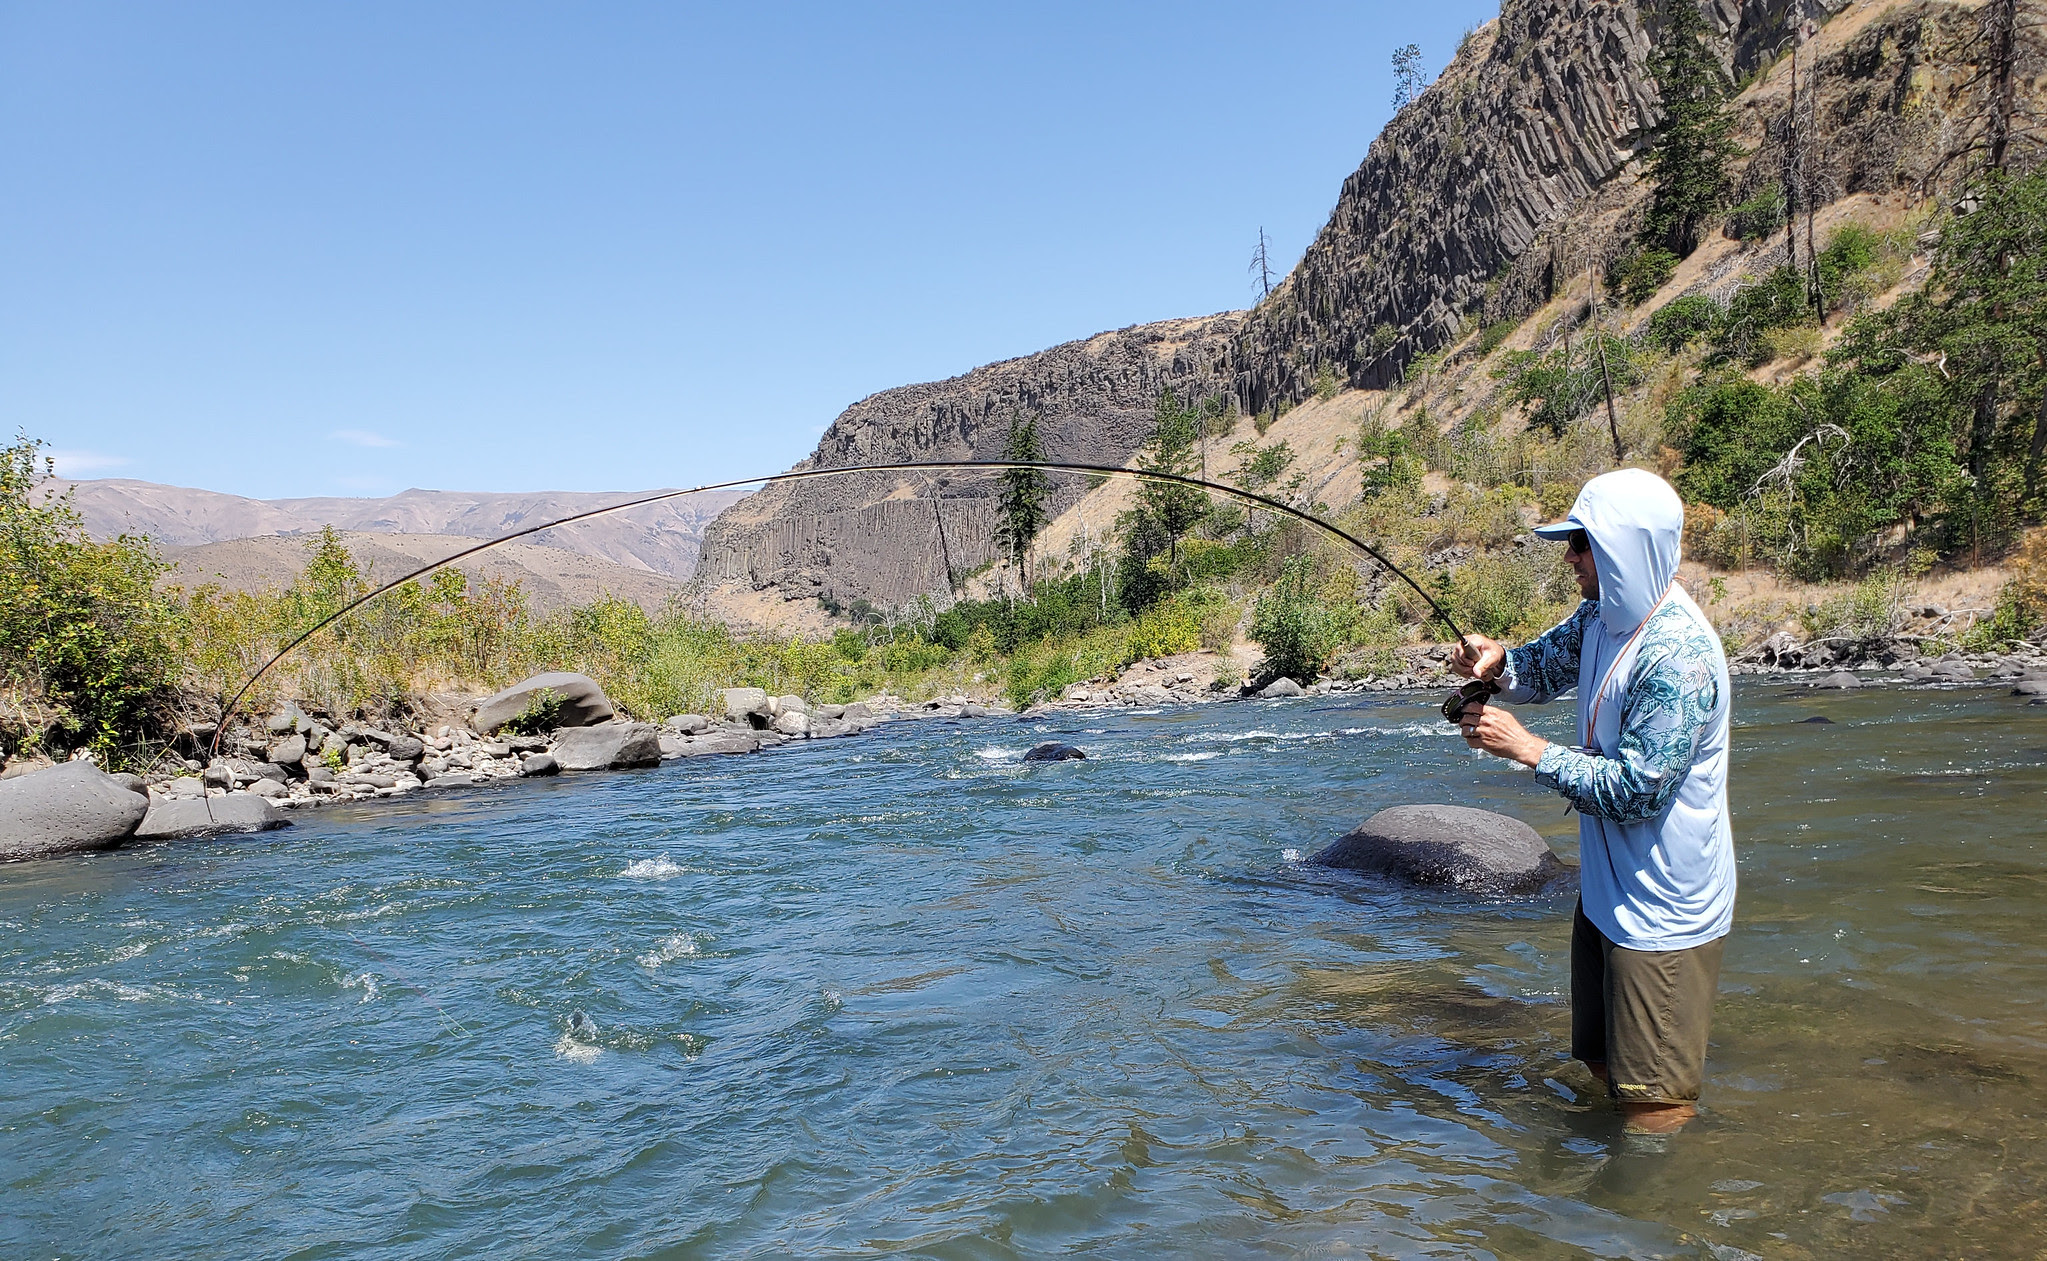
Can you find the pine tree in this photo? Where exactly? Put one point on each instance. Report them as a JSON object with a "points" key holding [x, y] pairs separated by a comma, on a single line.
{"points": [[1164, 511], [1688, 163], [1022, 501], [1407, 75]]}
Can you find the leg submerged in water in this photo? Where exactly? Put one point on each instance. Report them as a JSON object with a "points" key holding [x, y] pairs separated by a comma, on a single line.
{"points": [[1639, 1021]]}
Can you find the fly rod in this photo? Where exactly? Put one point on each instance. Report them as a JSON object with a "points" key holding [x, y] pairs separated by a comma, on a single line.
{"points": [[1336, 532]]}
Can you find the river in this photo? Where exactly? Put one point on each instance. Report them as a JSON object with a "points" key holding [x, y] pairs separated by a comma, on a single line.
{"points": [[907, 994]]}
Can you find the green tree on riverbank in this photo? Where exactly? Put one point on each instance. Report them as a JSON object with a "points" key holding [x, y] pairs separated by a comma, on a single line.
{"points": [[1021, 505], [88, 648]]}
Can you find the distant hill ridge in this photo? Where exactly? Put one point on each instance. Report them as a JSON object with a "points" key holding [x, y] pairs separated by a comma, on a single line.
{"points": [[550, 577], [659, 539]]}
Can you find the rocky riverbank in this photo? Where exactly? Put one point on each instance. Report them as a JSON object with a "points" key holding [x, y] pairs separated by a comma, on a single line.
{"points": [[300, 757]]}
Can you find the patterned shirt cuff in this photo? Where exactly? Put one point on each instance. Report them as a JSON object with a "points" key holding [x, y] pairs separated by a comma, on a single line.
{"points": [[1550, 765]]}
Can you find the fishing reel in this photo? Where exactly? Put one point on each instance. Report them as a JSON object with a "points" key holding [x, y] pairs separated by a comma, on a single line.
{"points": [[1476, 692]]}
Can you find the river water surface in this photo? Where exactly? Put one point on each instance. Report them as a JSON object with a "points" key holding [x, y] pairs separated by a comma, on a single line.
{"points": [[905, 994]]}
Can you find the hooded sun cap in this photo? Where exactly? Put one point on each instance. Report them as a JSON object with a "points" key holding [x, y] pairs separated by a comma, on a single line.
{"points": [[1636, 523]]}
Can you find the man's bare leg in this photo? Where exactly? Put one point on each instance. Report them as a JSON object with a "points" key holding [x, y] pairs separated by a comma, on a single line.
{"points": [[1656, 1118], [1649, 1118]]}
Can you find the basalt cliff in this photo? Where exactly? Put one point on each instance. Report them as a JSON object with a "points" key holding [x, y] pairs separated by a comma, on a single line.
{"points": [[1518, 171]]}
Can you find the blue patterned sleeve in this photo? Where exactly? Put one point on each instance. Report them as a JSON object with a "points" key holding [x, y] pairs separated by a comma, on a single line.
{"points": [[1547, 665], [1665, 713]]}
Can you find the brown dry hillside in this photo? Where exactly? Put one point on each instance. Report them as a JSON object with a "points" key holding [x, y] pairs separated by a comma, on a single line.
{"points": [[660, 539], [550, 576]]}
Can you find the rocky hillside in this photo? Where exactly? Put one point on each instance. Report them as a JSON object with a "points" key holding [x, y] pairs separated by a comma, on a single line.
{"points": [[1485, 203], [657, 540], [889, 539]]}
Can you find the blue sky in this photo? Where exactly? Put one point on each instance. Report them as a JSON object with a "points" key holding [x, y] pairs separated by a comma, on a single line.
{"points": [[305, 249]]}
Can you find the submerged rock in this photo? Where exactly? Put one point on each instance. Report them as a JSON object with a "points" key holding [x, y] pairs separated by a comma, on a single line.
{"points": [[207, 816], [1841, 679], [1820, 719], [583, 702], [1455, 846], [66, 808], [1053, 751]]}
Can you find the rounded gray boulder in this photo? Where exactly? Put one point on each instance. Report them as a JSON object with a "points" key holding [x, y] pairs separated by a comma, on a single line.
{"points": [[173, 819], [1281, 686], [582, 702], [1053, 751], [608, 746], [1452, 846], [66, 808]]}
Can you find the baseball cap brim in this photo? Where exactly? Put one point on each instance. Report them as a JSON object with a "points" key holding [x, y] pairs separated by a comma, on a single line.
{"points": [[1557, 530]]}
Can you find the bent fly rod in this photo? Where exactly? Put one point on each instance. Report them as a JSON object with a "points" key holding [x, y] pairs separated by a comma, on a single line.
{"points": [[1336, 532]]}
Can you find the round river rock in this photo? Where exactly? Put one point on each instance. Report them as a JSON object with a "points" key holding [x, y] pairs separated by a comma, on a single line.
{"points": [[1053, 751], [1450, 846]]}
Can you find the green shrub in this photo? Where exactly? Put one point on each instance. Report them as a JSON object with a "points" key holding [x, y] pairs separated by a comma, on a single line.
{"points": [[1683, 321], [542, 713], [1638, 274], [1383, 451], [1261, 466], [89, 649], [2021, 603], [1871, 610], [1512, 595], [1293, 625], [1490, 337], [1559, 387], [1164, 631], [1759, 216], [1777, 300]]}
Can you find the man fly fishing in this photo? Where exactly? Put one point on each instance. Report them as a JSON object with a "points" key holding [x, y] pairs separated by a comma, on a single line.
{"points": [[1649, 782]]}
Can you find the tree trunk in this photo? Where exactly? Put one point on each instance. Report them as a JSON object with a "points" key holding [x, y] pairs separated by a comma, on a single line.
{"points": [[2001, 21]]}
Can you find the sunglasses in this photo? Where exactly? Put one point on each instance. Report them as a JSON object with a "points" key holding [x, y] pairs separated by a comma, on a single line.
{"points": [[1578, 543]]}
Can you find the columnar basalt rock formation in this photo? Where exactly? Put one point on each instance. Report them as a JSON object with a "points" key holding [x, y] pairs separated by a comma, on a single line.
{"points": [[889, 539], [1515, 172]]}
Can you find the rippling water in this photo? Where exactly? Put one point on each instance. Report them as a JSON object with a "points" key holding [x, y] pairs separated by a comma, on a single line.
{"points": [[908, 994]]}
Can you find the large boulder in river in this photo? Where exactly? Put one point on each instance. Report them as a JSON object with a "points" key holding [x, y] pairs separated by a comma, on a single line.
{"points": [[173, 819], [1054, 751], [1456, 846], [1281, 686], [608, 746], [582, 702], [65, 808]]}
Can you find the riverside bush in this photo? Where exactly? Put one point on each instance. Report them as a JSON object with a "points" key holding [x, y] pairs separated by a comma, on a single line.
{"points": [[1293, 625], [88, 648], [2021, 603]]}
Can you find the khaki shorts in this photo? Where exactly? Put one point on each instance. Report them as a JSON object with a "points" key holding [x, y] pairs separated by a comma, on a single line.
{"points": [[1642, 1013]]}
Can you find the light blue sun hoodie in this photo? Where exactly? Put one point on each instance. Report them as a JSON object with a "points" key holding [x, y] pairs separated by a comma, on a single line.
{"points": [[1655, 851]]}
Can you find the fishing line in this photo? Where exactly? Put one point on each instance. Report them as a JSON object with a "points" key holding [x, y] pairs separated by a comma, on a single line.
{"points": [[229, 710], [399, 977]]}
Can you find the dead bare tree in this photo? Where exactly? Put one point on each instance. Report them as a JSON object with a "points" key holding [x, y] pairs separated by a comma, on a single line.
{"points": [[1261, 267], [1613, 424]]}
